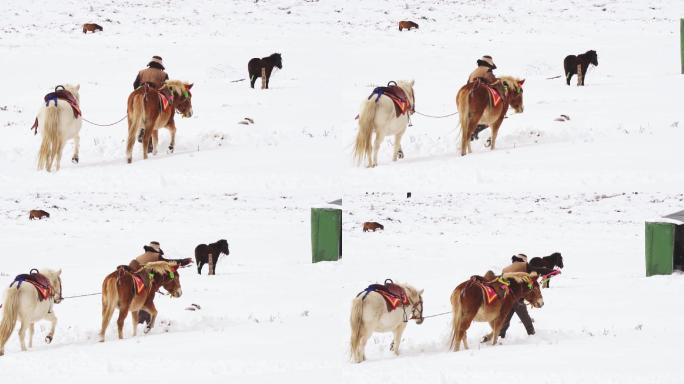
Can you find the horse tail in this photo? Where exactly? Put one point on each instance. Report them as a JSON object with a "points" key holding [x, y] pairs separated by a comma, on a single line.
{"points": [[362, 147], [456, 319], [9, 318], [463, 106], [52, 143], [110, 299], [356, 321]]}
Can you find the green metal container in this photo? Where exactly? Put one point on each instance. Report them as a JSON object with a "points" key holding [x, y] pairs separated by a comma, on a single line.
{"points": [[660, 240], [681, 40], [326, 234]]}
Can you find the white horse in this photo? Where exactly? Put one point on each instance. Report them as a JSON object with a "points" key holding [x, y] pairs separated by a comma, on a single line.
{"points": [[380, 117], [57, 124], [23, 304], [369, 314]]}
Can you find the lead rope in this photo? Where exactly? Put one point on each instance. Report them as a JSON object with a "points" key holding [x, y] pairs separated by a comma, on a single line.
{"points": [[104, 125]]}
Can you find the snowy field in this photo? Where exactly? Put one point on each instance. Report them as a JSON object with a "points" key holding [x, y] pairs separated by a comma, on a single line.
{"points": [[269, 314]]}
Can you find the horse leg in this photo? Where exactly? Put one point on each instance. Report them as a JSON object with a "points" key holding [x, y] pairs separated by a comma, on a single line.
{"points": [[22, 335], [376, 148], [199, 267], [398, 331], [146, 141], [398, 153], [53, 324], [123, 313], [134, 318], [155, 140], [252, 80], [152, 310], [77, 147], [130, 141], [495, 130], [172, 131], [31, 331], [59, 157]]}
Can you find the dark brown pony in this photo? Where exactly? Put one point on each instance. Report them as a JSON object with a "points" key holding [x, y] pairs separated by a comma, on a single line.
{"points": [[204, 251], [255, 65], [407, 24], [372, 226], [571, 62], [469, 303], [38, 214], [120, 290], [146, 109], [546, 264], [476, 105], [91, 27]]}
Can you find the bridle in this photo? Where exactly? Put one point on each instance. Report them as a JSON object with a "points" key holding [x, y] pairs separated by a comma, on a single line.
{"points": [[59, 299], [186, 97], [414, 306]]}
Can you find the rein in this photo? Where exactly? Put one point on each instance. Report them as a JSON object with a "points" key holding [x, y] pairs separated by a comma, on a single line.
{"points": [[436, 117], [105, 125]]}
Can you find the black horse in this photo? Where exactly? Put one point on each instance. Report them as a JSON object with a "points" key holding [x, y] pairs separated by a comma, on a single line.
{"points": [[583, 60], [203, 251], [255, 65], [544, 265]]}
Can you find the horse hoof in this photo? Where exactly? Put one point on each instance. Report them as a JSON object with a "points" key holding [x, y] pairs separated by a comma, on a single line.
{"points": [[48, 339], [129, 161], [400, 154], [74, 160], [147, 329], [170, 149]]}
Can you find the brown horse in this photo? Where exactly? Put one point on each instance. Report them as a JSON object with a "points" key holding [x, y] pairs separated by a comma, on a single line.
{"points": [[407, 24], [131, 291], [146, 108], [477, 105], [91, 27], [477, 300]]}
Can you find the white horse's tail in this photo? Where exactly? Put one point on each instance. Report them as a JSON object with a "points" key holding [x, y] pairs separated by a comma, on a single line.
{"points": [[356, 321], [52, 142], [464, 115], [362, 148], [9, 318]]}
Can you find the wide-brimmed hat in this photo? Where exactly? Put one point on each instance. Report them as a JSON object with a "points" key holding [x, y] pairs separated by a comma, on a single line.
{"points": [[486, 61], [157, 60], [519, 258]]}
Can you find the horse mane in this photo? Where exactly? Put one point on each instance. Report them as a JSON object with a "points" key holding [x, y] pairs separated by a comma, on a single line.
{"points": [[412, 292], [176, 86], [160, 267], [511, 82], [520, 277]]}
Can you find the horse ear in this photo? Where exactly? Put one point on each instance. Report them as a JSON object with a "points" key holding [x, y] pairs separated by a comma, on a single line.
{"points": [[78, 86], [521, 82], [413, 82], [189, 86], [420, 293], [59, 272]]}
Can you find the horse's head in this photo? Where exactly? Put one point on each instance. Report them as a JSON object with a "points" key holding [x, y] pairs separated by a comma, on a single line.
{"points": [[73, 89], [533, 294], [182, 96], [165, 273], [593, 57], [557, 259], [277, 60], [223, 246], [416, 299], [514, 90], [407, 87], [55, 282]]}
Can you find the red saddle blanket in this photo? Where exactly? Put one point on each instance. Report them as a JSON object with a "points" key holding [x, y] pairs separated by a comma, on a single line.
{"points": [[40, 282], [139, 283], [492, 290], [494, 96], [396, 94], [393, 294]]}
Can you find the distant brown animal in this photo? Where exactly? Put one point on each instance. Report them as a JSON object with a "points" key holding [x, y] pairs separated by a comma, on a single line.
{"points": [[38, 214], [406, 24], [91, 27], [472, 300], [131, 291], [372, 226]]}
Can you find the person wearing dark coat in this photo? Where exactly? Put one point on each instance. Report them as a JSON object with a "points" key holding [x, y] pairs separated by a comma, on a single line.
{"points": [[519, 264]]}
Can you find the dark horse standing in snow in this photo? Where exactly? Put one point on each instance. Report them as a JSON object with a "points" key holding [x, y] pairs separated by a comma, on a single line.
{"points": [[571, 63], [256, 65], [204, 252], [545, 265]]}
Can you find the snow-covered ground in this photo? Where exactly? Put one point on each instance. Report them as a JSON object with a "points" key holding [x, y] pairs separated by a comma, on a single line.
{"points": [[269, 314]]}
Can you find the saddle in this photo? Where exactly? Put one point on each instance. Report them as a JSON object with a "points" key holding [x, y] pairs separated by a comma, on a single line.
{"points": [[59, 94], [139, 283], [492, 290], [165, 100], [393, 294], [40, 282], [396, 94], [494, 93]]}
